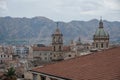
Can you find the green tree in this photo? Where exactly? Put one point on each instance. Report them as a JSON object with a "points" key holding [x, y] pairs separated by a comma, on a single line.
{"points": [[10, 74]]}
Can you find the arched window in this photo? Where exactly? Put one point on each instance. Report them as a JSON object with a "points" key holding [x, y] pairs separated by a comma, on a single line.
{"points": [[101, 45], [96, 45], [59, 48], [54, 48]]}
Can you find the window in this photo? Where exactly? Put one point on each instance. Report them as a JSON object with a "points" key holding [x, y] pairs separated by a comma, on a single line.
{"points": [[96, 45], [101, 45], [50, 58], [45, 58], [34, 76], [22, 76], [60, 48], [69, 55], [87, 47], [54, 48], [42, 77]]}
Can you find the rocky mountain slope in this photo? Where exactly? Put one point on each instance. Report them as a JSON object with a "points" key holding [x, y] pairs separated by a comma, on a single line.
{"points": [[39, 30]]}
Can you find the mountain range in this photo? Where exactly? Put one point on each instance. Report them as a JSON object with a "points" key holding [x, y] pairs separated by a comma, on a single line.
{"points": [[39, 30]]}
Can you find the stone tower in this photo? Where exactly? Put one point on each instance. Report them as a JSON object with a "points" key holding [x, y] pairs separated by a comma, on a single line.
{"points": [[101, 37], [57, 44]]}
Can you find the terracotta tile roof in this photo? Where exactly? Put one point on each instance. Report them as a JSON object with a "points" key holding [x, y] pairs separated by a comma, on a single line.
{"points": [[47, 48], [104, 65]]}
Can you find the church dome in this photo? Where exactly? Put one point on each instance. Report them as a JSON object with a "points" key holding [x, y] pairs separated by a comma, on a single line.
{"points": [[100, 31]]}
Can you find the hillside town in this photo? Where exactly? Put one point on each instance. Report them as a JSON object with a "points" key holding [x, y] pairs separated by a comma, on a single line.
{"points": [[51, 62]]}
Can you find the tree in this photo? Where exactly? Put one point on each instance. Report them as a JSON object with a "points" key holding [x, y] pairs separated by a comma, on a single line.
{"points": [[10, 74]]}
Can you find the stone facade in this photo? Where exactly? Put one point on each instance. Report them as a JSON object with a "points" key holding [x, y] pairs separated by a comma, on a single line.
{"points": [[42, 54]]}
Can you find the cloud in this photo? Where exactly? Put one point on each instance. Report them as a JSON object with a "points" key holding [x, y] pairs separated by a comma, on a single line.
{"points": [[64, 9], [3, 6], [112, 4]]}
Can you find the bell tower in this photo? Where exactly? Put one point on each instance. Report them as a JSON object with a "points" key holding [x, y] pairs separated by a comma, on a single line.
{"points": [[57, 44]]}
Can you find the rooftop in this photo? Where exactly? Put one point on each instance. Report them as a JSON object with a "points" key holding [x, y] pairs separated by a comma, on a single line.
{"points": [[104, 65]]}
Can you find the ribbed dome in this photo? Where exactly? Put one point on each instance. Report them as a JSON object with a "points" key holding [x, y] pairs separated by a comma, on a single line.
{"points": [[100, 31]]}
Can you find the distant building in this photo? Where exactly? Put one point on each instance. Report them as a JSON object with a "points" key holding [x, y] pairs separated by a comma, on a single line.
{"points": [[101, 37], [78, 48], [5, 54], [5, 57], [42, 54], [21, 51], [54, 52], [79, 45]]}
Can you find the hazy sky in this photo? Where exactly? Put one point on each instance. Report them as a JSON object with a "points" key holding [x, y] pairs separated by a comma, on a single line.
{"points": [[62, 10]]}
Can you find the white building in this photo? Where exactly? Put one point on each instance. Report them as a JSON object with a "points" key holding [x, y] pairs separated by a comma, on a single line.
{"points": [[5, 57], [21, 51]]}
